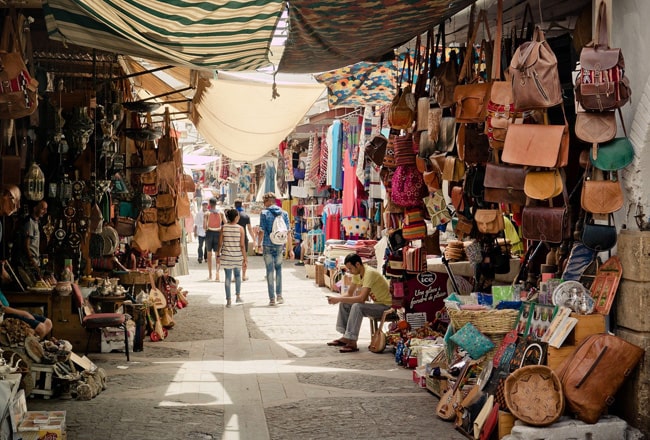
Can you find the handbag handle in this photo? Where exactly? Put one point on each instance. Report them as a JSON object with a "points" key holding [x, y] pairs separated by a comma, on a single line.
{"points": [[533, 345], [528, 12], [496, 57], [469, 53]]}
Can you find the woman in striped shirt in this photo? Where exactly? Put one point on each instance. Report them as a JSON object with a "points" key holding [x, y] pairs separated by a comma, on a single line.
{"points": [[231, 253]]}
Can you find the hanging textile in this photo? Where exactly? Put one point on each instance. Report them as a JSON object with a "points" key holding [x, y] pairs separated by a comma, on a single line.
{"points": [[280, 179], [314, 164], [288, 165], [350, 187], [269, 177], [245, 177], [324, 160], [360, 84], [225, 168], [335, 179]]}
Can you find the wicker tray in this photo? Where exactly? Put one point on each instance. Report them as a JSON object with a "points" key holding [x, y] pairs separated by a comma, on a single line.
{"points": [[486, 321], [534, 395], [134, 277]]}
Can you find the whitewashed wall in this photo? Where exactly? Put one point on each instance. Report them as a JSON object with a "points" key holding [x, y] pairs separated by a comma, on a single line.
{"points": [[631, 31]]}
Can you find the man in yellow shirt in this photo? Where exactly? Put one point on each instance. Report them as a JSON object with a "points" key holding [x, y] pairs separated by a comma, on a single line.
{"points": [[367, 283]]}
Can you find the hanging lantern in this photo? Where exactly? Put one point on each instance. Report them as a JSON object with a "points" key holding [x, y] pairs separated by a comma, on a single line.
{"points": [[34, 183]]}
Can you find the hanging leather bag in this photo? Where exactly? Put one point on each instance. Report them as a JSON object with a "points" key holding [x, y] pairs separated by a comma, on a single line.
{"points": [[594, 372], [602, 84], [537, 145], [170, 232], [489, 221], [10, 164], [613, 155], [599, 237], [376, 149], [504, 184], [18, 90], [595, 127], [543, 185], [534, 76], [471, 99], [601, 196], [473, 143], [146, 237], [551, 224]]}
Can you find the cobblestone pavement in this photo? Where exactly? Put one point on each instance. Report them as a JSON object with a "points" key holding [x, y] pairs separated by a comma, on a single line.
{"points": [[253, 372]]}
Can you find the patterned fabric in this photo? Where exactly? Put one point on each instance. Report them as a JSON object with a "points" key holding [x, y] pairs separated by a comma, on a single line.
{"points": [[324, 158], [314, 164], [360, 84], [355, 227], [365, 30], [475, 343]]}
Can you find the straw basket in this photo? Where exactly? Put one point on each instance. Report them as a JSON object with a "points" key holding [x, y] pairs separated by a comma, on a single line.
{"points": [[492, 323], [534, 395], [485, 321]]}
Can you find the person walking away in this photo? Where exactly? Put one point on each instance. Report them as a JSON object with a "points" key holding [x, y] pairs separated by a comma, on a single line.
{"points": [[245, 222], [232, 254], [199, 232], [213, 221], [271, 251], [367, 283]]}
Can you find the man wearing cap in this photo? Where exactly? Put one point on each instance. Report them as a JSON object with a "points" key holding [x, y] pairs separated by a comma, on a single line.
{"points": [[199, 231]]}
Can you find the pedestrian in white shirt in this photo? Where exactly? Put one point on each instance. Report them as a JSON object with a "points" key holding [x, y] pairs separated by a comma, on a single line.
{"points": [[199, 231]]}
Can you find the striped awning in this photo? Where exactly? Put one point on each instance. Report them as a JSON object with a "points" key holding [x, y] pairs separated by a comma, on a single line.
{"points": [[216, 34]]}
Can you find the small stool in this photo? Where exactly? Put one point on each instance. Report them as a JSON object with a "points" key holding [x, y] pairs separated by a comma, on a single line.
{"points": [[391, 317]]}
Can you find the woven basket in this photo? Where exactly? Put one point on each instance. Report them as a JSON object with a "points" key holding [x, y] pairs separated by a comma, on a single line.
{"points": [[534, 395], [486, 321]]}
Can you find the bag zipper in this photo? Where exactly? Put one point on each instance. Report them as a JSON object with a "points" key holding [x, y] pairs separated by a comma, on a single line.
{"points": [[539, 86]]}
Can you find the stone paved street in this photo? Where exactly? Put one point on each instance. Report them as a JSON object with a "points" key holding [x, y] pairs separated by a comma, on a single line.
{"points": [[253, 372]]}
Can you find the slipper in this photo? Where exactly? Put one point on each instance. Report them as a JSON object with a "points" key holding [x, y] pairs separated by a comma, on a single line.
{"points": [[348, 349], [337, 343]]}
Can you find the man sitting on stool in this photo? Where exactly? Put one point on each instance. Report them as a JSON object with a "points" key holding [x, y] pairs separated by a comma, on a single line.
{"points": [[367, 282]]}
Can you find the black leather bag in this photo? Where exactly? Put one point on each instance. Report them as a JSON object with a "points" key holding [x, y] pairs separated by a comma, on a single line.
{"points": [[599, 237]]}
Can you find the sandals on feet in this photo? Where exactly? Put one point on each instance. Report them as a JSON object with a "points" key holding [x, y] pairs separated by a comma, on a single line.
{"points": [[348, 349], [337, 343]]}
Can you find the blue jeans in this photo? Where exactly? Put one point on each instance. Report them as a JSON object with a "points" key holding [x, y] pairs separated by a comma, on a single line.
{"points": [[237, 281], [273, 259], [202, 253]]}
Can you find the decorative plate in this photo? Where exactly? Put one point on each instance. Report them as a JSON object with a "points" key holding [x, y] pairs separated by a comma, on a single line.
{"points": [[566, 291]]}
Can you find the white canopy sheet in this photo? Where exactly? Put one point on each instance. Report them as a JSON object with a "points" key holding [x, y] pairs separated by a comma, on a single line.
{"points": [[237, 115]]}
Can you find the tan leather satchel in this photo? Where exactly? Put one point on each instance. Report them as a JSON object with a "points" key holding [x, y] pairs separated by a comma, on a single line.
{"points": [[401, 113], [165, 200], [146, 237], [543, 185], [537, 145], [489, 221], [454, 169], [594, 372], [534, 76], [595, 127], [170, 232], [471, 102], [601, 196]]}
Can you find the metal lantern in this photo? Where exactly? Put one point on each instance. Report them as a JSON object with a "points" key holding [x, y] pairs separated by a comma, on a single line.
{"points": [[34, 183]]}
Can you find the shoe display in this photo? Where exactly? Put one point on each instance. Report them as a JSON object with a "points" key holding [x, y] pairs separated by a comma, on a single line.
{"points": [[228, 303], [272, 302], [280, 300], [239, 300]]}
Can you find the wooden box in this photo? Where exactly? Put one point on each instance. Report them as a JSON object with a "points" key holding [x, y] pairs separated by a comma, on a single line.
{"points": [[506, 422], [436, 386], [587, 325], [319, 274]]}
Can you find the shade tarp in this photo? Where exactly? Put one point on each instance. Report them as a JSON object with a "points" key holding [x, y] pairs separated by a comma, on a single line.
{"points": [[216, 34], [355, 30], [236, 114]]}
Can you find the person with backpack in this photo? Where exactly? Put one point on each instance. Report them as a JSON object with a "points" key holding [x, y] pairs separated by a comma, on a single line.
{"points": [[232, 253], [213, 222], [274, 225]]}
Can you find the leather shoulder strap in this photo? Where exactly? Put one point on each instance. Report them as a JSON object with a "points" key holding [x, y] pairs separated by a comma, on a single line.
{"points": [[602, 31]]}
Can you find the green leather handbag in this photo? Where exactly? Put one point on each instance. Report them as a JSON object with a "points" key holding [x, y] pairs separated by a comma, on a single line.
{"points": [[613, 155]]}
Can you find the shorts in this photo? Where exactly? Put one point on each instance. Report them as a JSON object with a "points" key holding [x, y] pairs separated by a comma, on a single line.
{"points": [[212, 241], [33, 323]]}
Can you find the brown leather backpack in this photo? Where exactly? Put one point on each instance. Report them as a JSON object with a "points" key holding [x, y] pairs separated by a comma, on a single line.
{"points": [[534, 75]]}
